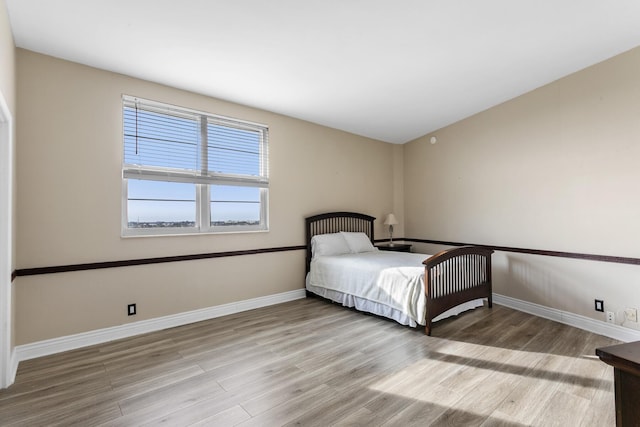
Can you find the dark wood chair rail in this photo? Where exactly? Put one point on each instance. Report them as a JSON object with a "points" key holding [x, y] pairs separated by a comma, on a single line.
{"points": [[142, 261]]}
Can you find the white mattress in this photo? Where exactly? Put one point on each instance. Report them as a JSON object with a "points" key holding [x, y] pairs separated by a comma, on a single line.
{"points": [[389, 284]]}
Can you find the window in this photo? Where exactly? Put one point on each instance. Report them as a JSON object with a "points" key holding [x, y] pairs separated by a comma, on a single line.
{"points": [[186, 171]]}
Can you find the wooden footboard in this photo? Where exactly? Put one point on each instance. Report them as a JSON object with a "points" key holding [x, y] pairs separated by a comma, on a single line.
{"points": [[455, 276]]}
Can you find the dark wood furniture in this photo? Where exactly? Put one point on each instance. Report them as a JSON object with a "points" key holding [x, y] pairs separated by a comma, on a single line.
{"points": [[452, 277], [395, 247], [625, 359]]}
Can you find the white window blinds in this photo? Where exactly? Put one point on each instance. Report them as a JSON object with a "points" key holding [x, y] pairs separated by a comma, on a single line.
{"points": [[173, 144]]}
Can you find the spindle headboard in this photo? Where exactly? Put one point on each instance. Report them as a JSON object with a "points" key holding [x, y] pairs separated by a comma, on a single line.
{"points": [[334, 222]]}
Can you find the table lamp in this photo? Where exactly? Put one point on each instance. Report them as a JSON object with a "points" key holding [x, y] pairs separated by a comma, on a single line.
{"points": [[390, 221]]}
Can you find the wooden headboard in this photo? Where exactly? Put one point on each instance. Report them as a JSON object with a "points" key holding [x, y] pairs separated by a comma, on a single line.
{"points": [[334, 222]]}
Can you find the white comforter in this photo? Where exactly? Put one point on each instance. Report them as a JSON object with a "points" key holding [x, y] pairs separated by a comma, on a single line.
{"points": [[392, 279]]}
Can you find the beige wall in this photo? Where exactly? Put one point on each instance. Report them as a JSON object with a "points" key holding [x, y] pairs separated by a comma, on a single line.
{"points": [[69, 204], [555, 169]]}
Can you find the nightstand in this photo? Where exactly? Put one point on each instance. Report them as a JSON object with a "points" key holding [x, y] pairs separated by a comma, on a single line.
{"points": [[395, 247]]}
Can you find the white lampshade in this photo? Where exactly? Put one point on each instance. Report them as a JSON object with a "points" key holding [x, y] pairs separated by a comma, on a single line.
{"points": [[391, 220]]}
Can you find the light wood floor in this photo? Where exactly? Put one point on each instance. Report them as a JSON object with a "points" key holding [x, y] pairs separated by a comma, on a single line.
{"points": [[311, 363]]}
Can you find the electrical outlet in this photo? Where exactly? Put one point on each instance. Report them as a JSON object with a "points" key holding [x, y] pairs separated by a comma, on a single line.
{"points": [[611, 317], [599, 305], [631, 314], [131, 309]]}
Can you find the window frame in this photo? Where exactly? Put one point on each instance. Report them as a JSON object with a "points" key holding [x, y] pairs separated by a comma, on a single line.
{"points": [[202, 178]]}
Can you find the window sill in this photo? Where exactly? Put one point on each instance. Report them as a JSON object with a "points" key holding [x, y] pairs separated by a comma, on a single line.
{"points": [[166, 233]]}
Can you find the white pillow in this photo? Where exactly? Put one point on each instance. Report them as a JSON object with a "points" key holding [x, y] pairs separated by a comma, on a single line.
{"points": [[358, 242], [329, 244]]}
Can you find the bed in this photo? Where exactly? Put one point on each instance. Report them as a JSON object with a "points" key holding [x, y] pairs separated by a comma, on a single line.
{"points": [[413, 289]]}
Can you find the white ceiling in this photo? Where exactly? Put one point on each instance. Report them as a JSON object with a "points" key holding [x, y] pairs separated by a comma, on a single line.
{"points": [[389, 70]]}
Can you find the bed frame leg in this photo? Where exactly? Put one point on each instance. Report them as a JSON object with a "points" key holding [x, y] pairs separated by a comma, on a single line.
{"points": [[490, 300], [427, 328]]}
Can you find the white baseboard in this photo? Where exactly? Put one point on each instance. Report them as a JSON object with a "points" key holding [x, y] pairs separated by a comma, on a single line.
{"points": [[71, 342], [13, 365], [85, 339], [597, 327], [8, 373]]}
